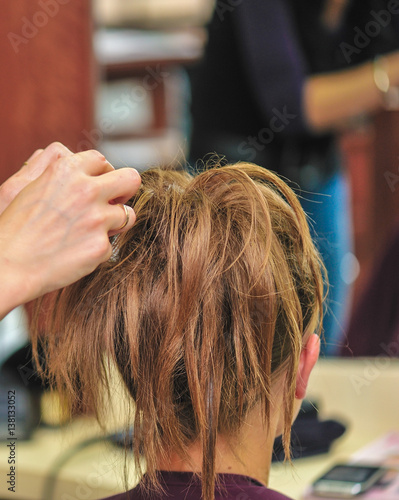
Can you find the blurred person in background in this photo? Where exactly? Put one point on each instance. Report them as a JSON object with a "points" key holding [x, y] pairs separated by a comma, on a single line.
{"points": [[278, 82]]}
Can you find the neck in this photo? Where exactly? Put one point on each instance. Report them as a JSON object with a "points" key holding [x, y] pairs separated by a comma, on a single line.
{"points": [[249, 453]]}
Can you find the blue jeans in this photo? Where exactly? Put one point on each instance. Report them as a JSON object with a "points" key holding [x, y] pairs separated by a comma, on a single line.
{"points": [[328, 207]]}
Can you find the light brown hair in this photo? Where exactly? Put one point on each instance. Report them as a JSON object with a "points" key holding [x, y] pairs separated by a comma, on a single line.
{"points": [[205, 300]]}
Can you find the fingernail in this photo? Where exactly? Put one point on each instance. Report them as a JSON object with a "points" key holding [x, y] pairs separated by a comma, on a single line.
{"points": [[134, 170]]}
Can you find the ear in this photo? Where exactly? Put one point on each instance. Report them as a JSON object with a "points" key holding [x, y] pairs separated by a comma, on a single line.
{"points": [[307, 360]]}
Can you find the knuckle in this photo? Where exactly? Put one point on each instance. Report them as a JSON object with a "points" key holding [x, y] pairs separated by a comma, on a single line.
{"points": [[97, 154], [97, 220], [56, 147], [102, 249], [40, 150]]}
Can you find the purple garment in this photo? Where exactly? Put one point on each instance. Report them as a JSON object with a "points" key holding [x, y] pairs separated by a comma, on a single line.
{"points": [[253, 65], [185, 485], [374, 326]]}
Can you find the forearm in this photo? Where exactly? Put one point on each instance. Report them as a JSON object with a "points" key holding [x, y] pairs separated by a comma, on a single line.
{"points": [[335, 97]]}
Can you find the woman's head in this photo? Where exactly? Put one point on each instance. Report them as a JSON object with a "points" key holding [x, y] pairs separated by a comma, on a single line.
{"points": [[206, 300]]}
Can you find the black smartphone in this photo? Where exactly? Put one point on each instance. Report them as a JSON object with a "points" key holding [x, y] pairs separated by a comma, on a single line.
{"points": [[347, 481]]}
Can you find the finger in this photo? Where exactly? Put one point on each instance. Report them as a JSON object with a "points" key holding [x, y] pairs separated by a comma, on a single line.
{"points": [[39, 161], [123, 219], [92, 162], [25, 167], [34, 155], [120, 185]]}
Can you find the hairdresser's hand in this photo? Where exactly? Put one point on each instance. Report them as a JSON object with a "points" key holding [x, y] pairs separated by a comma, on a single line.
{"points": [[30, 171], [58, 214]]}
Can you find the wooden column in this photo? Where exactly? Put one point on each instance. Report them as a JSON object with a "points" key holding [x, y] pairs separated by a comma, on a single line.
{"points": [[385, 208], [47, 78]]}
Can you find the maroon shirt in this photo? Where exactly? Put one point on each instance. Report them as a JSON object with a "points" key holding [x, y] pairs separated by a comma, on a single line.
{"points": [[187, 486]]}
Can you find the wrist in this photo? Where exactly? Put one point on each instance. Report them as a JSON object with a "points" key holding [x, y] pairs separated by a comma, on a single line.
{"points": [[392, 61], [386, 79], [16, 287]]}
